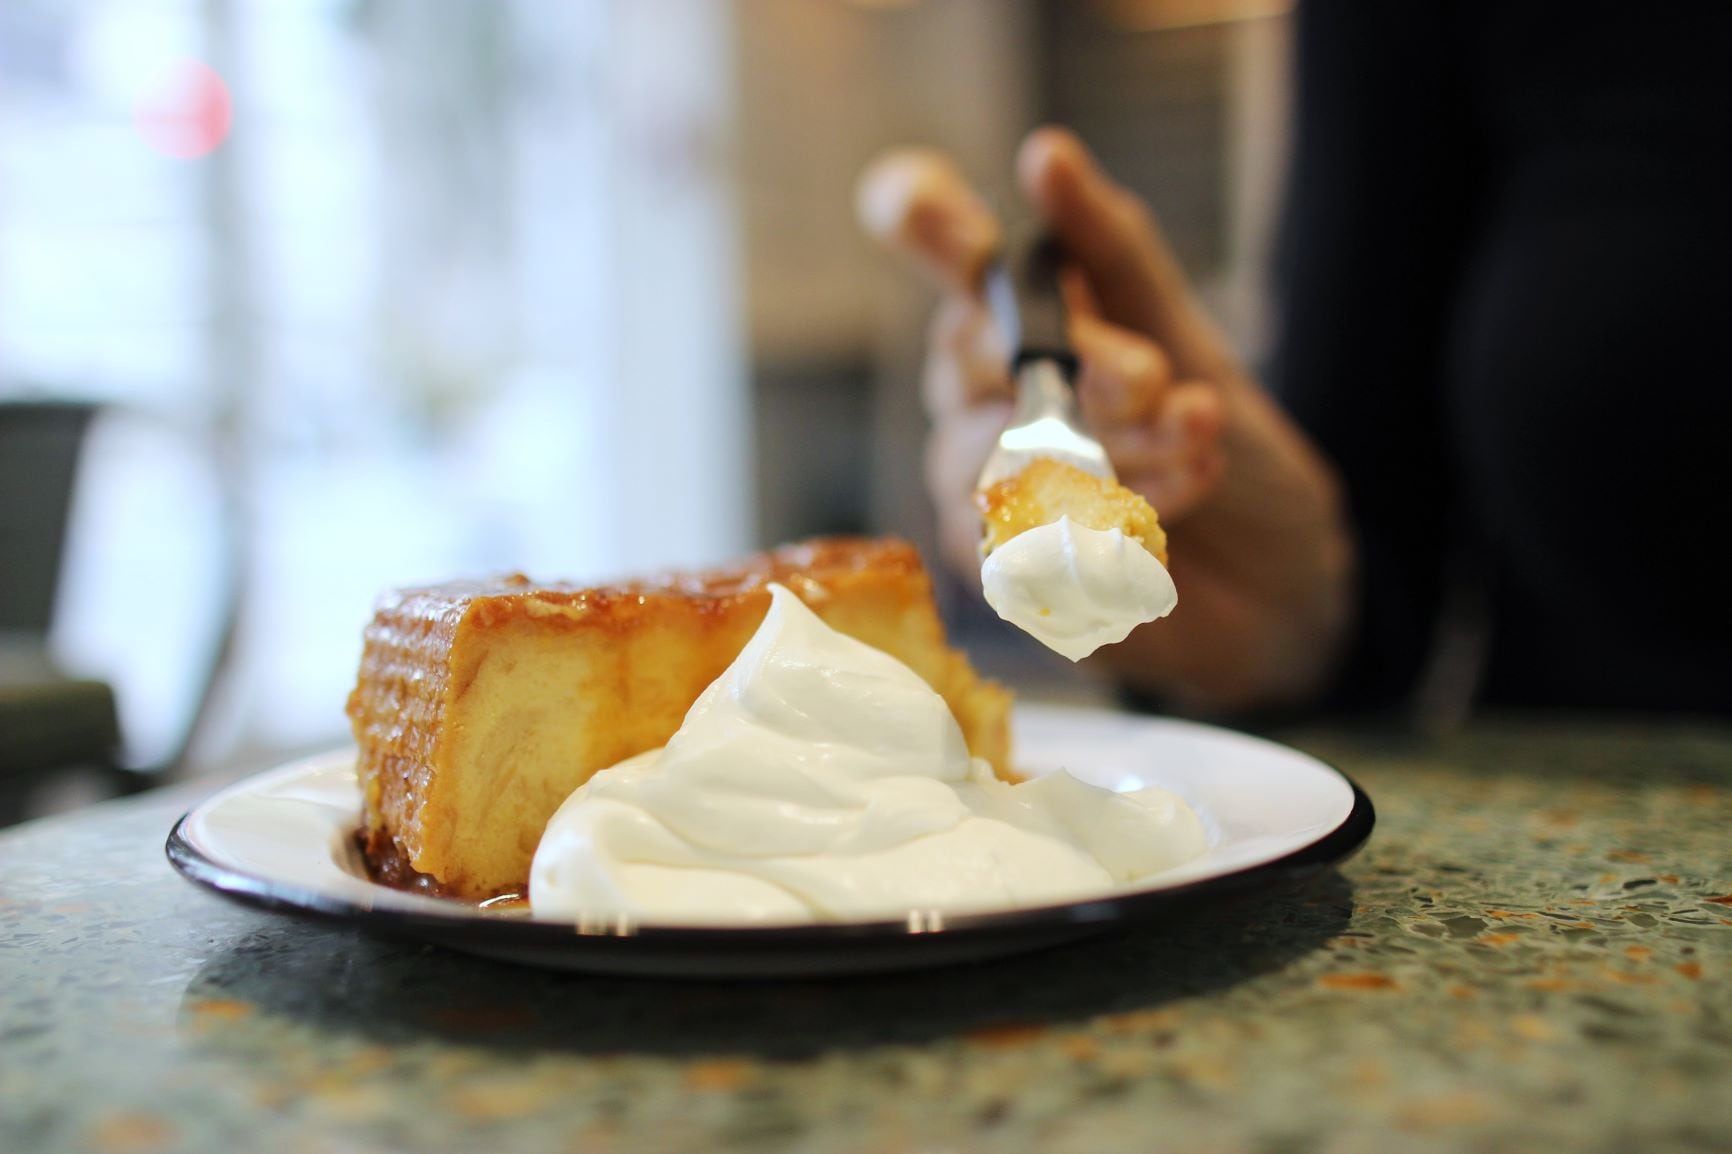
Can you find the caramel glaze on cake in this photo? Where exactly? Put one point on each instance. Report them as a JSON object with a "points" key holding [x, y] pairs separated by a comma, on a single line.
{"points": [[1047, 490], [481, 705]]}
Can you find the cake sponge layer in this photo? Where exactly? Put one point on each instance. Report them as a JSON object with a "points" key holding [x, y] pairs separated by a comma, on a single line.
{"points": [[480, 706]]}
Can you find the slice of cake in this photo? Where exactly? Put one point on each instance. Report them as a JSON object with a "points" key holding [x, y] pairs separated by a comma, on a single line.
{"points": [[480, 706], [1047, 490]]}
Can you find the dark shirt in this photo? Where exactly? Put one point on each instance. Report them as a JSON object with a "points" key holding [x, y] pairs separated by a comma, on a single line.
{"points": [[1506, 282]]}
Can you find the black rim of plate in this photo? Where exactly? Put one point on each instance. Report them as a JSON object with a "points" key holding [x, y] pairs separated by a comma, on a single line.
{"points": [[505, 931]]}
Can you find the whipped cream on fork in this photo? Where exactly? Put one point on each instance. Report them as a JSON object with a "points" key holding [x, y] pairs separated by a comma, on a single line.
{"points": [[1075, 589]]}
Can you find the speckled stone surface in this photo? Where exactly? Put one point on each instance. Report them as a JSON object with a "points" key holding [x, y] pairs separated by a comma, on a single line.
{"points": [[1534, 953]]}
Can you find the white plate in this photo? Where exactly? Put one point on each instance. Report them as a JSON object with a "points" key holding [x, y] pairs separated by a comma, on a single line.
{"points": [[283, 840]]}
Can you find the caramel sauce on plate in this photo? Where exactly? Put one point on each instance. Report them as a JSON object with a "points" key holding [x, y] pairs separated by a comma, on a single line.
{"points": [[384, 865]]}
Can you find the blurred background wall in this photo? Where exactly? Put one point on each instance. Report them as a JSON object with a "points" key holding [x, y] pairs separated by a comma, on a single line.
{"points": [[383, 291]]}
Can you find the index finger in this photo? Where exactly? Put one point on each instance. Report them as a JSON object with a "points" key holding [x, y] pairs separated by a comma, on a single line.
{"points": [[915, 201]]}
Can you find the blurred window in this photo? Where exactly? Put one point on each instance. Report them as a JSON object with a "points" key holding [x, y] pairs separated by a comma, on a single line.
{"points": [[407, 269]]}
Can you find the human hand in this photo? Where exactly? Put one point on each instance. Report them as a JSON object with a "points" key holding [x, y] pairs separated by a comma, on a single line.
{"points": [[1260, 550], [1159, 418]]}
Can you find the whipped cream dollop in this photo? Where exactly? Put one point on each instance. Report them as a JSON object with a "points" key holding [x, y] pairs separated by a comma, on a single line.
{"points": [[1075, 589], [819, 779]]}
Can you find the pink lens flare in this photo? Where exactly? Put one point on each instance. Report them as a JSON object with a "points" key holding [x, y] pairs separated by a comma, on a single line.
{"points": [[187, 114]]}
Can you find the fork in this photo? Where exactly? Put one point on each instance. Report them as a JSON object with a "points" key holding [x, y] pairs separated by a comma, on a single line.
{"points": [[1022, 292]]}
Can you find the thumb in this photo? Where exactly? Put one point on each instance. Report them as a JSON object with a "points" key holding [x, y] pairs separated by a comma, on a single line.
{"points": [[1114, 240], [917, 202]]}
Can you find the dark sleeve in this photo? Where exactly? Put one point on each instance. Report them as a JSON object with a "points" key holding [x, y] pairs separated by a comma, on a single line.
{"points": [[1376, 213]]}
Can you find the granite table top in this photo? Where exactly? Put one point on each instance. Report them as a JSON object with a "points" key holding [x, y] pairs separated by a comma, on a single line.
{"points": [[1534, 952]]}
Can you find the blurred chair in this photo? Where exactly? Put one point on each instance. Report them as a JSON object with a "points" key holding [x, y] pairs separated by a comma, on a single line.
{"points": [[49, 723], [54, 724]]}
